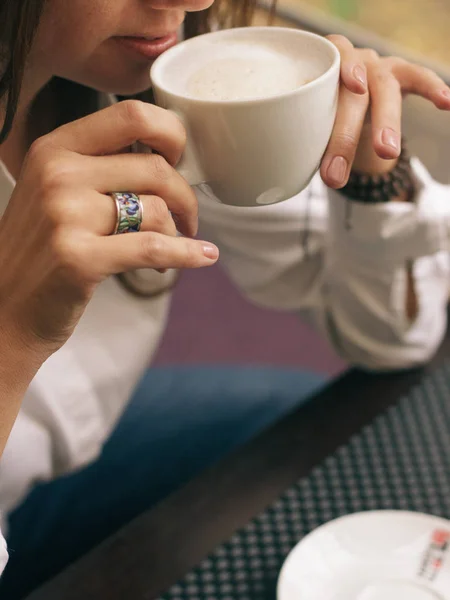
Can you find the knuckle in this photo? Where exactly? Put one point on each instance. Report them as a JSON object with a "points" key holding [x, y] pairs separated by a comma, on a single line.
{"points": [[136, 115], [339, 40], [161, 170], [179, 133], [55, 173], [60, 210], [346, 141], [384, 78], [371, 55], [152, 248], [191, 202], [65, 249], [160, 213], [191, 258], [39, 149], [133, 110], [40, 153], [187, 209], [394, 62], [428, 73], [73, 257], [51, 209]]}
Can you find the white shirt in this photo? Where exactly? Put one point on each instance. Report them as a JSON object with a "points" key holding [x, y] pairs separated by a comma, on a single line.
{"points": [[350, 283]]}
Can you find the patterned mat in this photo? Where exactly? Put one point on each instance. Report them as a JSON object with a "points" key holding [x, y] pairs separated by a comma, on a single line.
{"points": [[400, 461]]}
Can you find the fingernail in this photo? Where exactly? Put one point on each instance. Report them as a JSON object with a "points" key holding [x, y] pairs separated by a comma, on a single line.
{"points": [[210, 251], [446, 94], [360, 74], [338, 170], [391, 138]]}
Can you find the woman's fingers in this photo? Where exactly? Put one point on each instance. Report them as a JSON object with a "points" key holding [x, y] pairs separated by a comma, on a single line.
{"points": [[119, 253], [156, 215], [387, 79], [386, 111], [421, 81], [353, 69], [118, 127], [341, 150], [148, 174]]}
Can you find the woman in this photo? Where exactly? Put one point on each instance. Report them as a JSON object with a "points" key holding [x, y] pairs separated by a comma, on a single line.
{"points": [[372, 278]]}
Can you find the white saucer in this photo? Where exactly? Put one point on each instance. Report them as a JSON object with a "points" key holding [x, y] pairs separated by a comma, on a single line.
{"points": [[385, 555]]}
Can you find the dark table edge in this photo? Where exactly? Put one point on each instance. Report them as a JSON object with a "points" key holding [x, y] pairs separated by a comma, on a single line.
{"points": [[154, 551]]}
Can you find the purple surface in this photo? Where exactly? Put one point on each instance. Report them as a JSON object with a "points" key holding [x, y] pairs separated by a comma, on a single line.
{"points": [[210, 323]]}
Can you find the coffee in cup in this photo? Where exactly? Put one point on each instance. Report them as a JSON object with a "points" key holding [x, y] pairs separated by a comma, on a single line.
{"points": [[247, 72]]}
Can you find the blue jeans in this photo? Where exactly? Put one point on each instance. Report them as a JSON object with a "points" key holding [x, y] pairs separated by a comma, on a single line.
{"points": [[180, 421]]}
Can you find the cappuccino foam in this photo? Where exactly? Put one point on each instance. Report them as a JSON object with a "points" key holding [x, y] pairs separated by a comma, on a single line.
{"points": [[246, 71]]}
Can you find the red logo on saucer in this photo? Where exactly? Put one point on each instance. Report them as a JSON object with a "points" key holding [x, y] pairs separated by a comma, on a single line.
{"points": [[435, 554]]}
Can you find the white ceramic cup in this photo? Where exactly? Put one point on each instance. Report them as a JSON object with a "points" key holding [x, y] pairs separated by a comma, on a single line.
{"points": [[252, 152]]}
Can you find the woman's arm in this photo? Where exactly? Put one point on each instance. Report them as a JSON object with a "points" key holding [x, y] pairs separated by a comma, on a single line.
{"points": [[373, 277], [53, 256], [388, 276], [18, 365], [300, 256]]}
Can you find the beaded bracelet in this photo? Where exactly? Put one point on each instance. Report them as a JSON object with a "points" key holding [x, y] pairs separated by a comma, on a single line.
{"points": [[374, 189]]}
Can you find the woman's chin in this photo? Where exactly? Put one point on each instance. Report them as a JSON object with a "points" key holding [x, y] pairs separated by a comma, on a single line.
{"points": [[125, 88], [126, 85]]}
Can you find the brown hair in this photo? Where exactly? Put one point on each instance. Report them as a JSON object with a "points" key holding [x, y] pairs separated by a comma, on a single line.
{"points": [[18, 23], [19, 20]]}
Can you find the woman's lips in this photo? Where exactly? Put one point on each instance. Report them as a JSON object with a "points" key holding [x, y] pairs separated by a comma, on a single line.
{"points": [[149, 48]]}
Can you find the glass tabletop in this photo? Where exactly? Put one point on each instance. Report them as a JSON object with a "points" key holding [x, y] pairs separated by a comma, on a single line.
{"points": [[422, 26]]}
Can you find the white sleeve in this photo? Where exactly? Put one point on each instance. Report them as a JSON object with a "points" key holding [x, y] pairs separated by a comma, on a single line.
{"points": [[60, 427], [3, 554], [343, 265]]}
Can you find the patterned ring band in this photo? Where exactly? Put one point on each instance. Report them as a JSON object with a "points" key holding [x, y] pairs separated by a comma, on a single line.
{"points": [[130, 212]]}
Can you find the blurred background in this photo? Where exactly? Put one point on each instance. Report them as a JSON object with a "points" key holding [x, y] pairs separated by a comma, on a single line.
{"points": [[210, 322], [419, 26], [414, 29]]}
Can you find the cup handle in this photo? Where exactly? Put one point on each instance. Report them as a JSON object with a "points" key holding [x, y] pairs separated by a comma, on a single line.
{"points": [[189, 167]]}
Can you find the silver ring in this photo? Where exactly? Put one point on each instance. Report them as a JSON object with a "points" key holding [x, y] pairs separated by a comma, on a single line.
{"points": [[130, 212]]}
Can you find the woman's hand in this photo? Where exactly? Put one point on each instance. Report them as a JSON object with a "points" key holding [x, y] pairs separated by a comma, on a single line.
{"points": [[367, 132], [55, 242]]}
